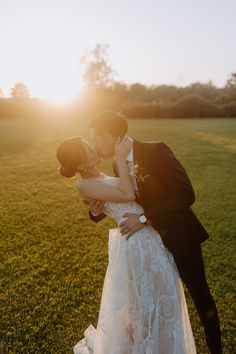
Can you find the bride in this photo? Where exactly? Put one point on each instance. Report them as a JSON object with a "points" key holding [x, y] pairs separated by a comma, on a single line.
{"points": [[143, 308]]}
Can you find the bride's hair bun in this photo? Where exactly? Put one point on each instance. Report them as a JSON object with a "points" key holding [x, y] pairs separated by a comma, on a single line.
{"points": [[68, 172], [70, 153]]}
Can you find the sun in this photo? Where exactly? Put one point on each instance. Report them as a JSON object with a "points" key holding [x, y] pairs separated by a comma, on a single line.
{"points": [[51, 71], [58, 94], [58, 90]]}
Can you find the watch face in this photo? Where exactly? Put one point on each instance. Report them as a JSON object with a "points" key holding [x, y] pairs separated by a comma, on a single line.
{"points": [[142, 219]]}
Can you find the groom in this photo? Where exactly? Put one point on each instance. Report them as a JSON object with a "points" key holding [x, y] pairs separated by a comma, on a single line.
{"points": [[166, 194]]}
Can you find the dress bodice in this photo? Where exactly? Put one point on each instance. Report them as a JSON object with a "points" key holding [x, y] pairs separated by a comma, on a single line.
{"points": [[117, 209]]}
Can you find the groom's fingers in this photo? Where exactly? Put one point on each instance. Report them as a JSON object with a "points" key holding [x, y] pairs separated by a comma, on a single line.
{"points": [[94, 203], [126, 215], [131, 225], [96, 206], [123, 225], [99, 208], [125, 230], [128, 235]]}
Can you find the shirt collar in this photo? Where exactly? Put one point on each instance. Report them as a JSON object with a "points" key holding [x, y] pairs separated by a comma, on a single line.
{"points": [[130, 156]]}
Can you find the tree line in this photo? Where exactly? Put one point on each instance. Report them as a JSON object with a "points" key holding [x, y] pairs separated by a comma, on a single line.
{"points": [[101, 91]]}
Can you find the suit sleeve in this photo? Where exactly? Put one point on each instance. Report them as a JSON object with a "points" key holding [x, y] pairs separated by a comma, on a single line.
{"points": [[173, 175], [102, 216]]}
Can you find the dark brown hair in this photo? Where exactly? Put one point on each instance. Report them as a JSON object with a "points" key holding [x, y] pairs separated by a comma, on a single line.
{"points": [[70, 153], [110, 122]]}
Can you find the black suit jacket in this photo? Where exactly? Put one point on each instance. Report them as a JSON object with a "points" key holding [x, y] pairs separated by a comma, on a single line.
{"points": [[166, 197]]}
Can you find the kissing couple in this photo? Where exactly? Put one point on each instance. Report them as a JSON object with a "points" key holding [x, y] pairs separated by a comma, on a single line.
{"points": [[155, 248]]}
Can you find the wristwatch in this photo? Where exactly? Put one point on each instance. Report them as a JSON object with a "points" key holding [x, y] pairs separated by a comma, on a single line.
{"points": [[142, 219]]}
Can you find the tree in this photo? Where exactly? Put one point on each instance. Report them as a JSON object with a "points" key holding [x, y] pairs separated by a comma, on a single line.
{"points": [[228, 94], [97, 73], [20, 90], [137, 92], [231, 82], [1, 93]]}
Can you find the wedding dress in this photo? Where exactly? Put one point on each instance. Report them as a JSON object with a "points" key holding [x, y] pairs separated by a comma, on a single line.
{"points": [[143, 308]]}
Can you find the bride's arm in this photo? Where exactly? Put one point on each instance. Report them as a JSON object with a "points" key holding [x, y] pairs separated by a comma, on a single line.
{"points": [[123, 192]]}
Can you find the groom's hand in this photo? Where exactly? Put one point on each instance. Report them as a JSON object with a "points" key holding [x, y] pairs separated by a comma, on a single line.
{"points": [[96, 207], [130, 225]]}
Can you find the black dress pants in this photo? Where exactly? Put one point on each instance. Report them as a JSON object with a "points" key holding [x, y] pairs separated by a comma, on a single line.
{"points": [[192, 271]]}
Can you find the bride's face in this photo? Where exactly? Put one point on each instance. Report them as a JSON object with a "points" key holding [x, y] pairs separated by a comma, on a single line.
{"points": [[92, 157]]}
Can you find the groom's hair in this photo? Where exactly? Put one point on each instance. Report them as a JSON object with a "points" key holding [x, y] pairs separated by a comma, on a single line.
{"points": [[110, 122]]}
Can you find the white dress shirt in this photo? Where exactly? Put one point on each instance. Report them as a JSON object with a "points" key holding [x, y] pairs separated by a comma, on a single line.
{"points": [[130, 163]]}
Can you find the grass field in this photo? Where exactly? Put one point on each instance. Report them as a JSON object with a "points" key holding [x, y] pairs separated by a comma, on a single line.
{"points": [[53, 259]]}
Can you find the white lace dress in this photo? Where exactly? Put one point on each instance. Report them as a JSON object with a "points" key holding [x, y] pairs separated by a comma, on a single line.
{"points": [[143, 308]]}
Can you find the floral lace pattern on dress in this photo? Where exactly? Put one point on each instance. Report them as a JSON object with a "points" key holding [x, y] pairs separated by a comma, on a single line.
{"points": [[143, 308]]}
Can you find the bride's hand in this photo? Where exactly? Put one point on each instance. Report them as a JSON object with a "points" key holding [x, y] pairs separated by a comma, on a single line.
{"points": [[122, 147]]}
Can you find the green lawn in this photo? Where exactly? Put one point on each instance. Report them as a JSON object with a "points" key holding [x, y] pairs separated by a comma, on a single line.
{"points": [[53, 259]]}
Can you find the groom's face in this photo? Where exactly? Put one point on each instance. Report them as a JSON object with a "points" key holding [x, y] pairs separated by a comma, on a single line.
{"points": [[103, 143]]}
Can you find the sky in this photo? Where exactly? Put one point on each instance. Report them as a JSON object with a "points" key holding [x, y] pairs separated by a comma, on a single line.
{"points": [[150, 41]]}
